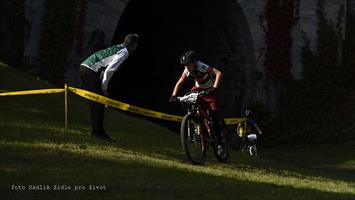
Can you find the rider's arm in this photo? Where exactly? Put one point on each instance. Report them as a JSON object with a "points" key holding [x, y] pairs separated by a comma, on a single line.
{"points": [[258, 128], [117, 60], [218, 75], [178, 86]]}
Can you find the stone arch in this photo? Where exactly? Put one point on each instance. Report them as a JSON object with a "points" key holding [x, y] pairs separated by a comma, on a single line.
{"points": [[233, 48]]}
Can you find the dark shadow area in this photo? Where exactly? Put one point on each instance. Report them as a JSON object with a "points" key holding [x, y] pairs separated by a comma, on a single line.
{"points": [[218, 32]]}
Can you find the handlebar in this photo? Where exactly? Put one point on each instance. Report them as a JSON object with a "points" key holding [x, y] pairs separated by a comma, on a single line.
{"points": [[192, 97]]}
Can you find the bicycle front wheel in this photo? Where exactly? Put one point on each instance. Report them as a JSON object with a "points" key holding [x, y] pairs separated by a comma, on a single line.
{"points": [[192, 139]]}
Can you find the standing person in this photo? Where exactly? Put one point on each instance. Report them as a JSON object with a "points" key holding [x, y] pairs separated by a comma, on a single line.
{"points": [[96, 72], [206, 78]]}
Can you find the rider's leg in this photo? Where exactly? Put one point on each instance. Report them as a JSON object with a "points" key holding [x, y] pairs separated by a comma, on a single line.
{"points": [[211, 102], [216, 126]]}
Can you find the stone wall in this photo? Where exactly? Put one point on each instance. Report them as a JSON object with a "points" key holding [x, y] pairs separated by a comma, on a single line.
{"points": [[103, 16], [254, 12]]}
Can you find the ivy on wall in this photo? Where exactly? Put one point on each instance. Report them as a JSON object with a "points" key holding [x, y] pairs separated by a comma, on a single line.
{"points": [[322, 70], [320, 106], [12, 31], [281, 16]]}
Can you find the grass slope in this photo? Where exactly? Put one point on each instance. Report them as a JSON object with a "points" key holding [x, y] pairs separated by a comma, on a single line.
{"points": [[146, 162]]}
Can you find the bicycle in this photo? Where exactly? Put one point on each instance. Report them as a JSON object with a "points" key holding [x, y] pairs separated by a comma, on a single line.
{"points": [[248, 140], [197, 131]]}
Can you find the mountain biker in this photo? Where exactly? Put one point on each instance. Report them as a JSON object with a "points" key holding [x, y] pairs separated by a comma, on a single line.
{"points": [[96, 72], [206, 78], [251, 123], [248, 131]]}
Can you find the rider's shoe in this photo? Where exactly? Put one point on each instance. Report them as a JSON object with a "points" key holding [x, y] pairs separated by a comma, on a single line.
{"points": [[220, 150], [104, 136]]}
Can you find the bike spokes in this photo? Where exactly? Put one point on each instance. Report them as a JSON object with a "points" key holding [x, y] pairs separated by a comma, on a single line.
{"points": [[192, 140]]}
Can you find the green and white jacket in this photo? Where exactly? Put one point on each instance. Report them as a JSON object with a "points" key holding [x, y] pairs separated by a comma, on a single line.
{"points": [[107, 61]]}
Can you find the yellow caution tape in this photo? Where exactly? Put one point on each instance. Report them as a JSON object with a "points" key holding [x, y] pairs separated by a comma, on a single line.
{"points": [[137, 110], [27, 92], [113, 103], [232, 121], [123, 106]]}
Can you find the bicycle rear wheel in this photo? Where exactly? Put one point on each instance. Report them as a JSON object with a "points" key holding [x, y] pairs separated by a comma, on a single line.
{"points": [[192, 139]]}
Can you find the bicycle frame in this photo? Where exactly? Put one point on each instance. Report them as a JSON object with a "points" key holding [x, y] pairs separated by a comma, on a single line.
{"points": [[201, 111], [199, 123]]}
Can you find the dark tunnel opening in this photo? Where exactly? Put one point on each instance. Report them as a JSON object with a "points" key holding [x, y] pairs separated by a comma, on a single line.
{"points": [[216, 30]]}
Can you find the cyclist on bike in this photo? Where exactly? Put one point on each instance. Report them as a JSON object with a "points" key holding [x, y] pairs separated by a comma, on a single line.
{"points": [[206, 78], [251, 122], [247, 131]]}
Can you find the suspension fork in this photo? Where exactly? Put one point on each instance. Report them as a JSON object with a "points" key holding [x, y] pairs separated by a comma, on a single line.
{"points": [[189, 125], [193, 124]]}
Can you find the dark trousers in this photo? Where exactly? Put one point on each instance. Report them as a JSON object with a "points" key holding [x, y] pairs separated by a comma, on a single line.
{"points": [[92, 83]]}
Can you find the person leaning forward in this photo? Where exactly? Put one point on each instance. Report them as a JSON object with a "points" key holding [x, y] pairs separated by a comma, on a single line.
{"points": [[96, 72]]}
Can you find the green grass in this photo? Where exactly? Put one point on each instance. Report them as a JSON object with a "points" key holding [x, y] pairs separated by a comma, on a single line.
{"points": [[146, 162]]}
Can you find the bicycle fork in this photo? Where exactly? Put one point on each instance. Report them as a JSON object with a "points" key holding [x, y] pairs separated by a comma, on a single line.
{"points": [[193, 129]]}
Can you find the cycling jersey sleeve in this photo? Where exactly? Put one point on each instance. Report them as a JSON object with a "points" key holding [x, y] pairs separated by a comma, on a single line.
{"points": [[204, 68], [117, 60]]}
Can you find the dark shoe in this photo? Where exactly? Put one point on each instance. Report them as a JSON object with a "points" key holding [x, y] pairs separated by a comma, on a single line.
{"points": [[104, 136]]}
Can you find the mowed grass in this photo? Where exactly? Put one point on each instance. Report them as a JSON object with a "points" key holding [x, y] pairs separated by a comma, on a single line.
{"points": [[146, 161]]}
